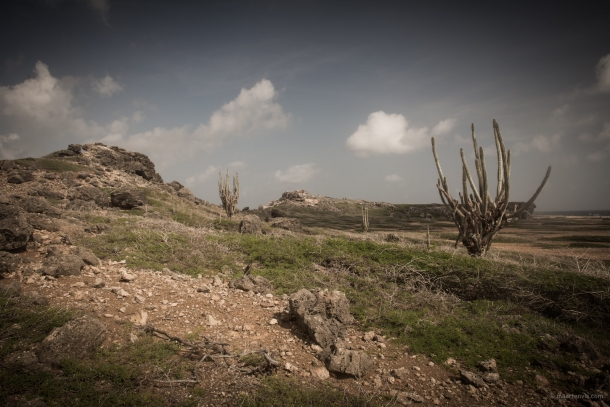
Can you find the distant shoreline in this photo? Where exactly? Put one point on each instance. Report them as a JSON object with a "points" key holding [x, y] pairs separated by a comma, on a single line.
{"points": [[591, 213]]}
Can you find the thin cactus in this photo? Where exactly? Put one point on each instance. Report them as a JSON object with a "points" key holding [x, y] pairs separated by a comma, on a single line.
{"points": [[365, 218], [477, 216], [229, 200]]}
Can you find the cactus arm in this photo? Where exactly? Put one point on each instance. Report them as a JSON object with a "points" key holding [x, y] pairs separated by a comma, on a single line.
{"points": [[474, 188], [518, 212]]}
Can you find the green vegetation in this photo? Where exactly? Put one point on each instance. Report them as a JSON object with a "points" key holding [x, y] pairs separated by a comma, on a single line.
{"points": [[50, 164], [111, 377], [277, 391]]}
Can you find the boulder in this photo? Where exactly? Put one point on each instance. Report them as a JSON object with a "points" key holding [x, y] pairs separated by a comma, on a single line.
{"points": [[75, 147], [291, 224], [75, 340], [350, 362], [471, 378], [87, 256], [9, 262], [120, 159], [45, 192], [24, 359], [15, 231], [578, 345], [41, 222], [250, 224], [323, 314], [276, 213], [89, 193], [63, 265], [176, 186], [19, 177], [252, 283], [128, 199]]}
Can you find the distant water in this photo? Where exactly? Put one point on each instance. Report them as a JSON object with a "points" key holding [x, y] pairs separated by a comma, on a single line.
{"points": [[574, 213]]}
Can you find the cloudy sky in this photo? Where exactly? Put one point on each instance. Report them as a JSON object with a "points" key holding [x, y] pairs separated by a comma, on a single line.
{"points": [[338, 98]]}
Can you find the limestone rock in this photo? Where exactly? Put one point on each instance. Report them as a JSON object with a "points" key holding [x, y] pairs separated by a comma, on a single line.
{"points": [[63, 265], [256, 284], [471, 378], [128, 199], [87, 256], [89, 193], [350, 362], [291, 224], [9, 262], [15, 231], [323, 314], [75, 339], [250, 224]]}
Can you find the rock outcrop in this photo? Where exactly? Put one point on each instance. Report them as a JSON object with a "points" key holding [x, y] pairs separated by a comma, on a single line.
{"points": [[75, 339], [250, 224], [128, 199]]}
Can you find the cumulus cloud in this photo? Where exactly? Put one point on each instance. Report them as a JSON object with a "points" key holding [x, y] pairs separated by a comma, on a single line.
{"points": [[393, 178], [43, 111], [201, 177], [237, 164], [443, 127], [603, 74], [297, 173], [540, 143], [6, 150], [252, 111], [107, 86], [390, 134]]}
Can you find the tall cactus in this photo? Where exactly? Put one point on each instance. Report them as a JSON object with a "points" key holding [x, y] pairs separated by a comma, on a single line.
{"points": [[229, 200], [365, 218], [477, 216]]}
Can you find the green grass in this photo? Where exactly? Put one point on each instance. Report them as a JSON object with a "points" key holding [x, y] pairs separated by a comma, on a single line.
{"points": [[279, 392], [54, 165], [110, 377]]}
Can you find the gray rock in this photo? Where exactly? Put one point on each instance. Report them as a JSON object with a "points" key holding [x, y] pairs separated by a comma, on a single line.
{"points": [[488, 366], [322, 314], [63, 265], [120, 159], [75, 339], [25, 359], [75, 147], [578, 345], [87, 256], [12, 289], [19, 177], [406, 398], [41, 222], [45, 192], [9, 262], [350, 362], [256, 284], [34, 204], [89, 193], [471, 378], [15, 231], [401, 373], [128, 199], [276, 213], [490, 377], [250, 224], [291, 224]]}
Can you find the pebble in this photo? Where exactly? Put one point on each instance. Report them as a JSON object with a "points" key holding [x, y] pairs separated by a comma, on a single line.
{"points": [[273, 322]]}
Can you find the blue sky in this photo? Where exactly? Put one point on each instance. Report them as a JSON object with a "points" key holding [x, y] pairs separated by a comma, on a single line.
{"points": [[338, 98]]}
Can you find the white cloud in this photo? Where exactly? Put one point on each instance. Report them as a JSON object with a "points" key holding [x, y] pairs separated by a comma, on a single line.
{"points": [[253, 109], [6, 152], [540, 143], [393, 178], [603, 74], [137, 117], [385, 134], [297, 173], [237, 164], [200, 178], [106, 86], [443, 127]]}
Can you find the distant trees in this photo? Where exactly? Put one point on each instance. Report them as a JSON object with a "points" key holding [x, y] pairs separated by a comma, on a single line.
{"points": [[477, 216], [229, 200]]}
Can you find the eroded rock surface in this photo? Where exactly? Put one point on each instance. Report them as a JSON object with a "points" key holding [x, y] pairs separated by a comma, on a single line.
{"points": [[250, 224], [75, 339]]}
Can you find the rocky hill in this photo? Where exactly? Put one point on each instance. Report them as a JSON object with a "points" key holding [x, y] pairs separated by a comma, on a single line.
{"points": [[120, 288]]}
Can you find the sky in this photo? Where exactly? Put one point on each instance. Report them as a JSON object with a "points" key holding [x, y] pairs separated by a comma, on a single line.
{"points": [[339, 98]]}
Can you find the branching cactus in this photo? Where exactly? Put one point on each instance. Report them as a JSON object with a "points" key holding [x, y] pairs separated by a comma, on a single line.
{"points": [[229, 200], [477, 216], [365, 218]]}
